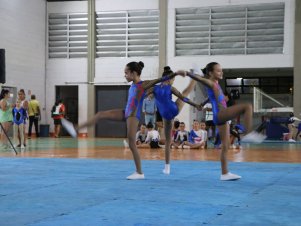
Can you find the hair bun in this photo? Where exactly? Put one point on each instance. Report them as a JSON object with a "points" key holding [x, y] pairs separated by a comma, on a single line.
{"points": [[204, 70], [141, 64], [167, 69]]}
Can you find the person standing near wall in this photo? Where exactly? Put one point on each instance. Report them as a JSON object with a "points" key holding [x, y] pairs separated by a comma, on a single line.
{"points": [[57, 113], [149, 109], [19, 117], [24, 105], [34, 114], [209, 120], [6, 116]]}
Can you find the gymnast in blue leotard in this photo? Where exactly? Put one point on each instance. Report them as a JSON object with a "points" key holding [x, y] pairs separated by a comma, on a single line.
{"points": [[218, 102], [168, 108], [212, 74], [132, 112]]}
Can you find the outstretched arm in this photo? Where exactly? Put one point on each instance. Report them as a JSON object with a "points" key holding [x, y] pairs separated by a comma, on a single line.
{"points": [[149, 91], [185, 99], [150, 83], [201, 79]]}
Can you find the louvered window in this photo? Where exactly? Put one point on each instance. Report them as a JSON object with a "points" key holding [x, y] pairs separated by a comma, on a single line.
{"points": [[247, 29], [127, 33], [67, 35]]}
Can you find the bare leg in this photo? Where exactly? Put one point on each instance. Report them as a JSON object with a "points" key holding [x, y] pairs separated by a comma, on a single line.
{"points": [[290, 129], [195, 145], [185, 93], [16, 133], [6, 126], [21, 129], [58, 130], [225, 138], [24, 134], [115, 115], [236, 110], [132, 125], [167, 131]]}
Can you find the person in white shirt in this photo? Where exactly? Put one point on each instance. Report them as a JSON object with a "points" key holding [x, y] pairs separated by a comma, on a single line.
{"points": [[196, 136], [209, 120], [181, 137], [152, 138], [141, 135]]}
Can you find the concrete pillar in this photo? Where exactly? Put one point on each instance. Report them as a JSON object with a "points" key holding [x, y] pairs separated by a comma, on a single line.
{"points": [[297, 60], [91, 65], [162, 35]]}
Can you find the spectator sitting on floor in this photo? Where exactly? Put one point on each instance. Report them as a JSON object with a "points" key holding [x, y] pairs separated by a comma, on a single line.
{"points": [[196, 136], [141, 135], [175, 129], [152, 138], [181, 137]]}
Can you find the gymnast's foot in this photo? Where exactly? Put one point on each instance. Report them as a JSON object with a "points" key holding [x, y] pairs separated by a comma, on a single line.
{"points": [[253, 137], [166, 169], [69, 127], [136, 176], [125, 144], [230, 176]]}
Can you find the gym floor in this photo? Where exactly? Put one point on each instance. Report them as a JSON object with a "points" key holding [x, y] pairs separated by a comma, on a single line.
{"points": [[82, 182]]}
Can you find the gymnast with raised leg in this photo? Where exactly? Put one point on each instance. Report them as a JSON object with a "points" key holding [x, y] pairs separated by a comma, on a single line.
{"points": [[221, 114], [169, 109], [131, 114]]}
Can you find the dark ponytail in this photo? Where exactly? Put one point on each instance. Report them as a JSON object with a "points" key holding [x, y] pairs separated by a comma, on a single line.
{"points": [[3, 93], [136, 66], [209, 68], [167, 71]]}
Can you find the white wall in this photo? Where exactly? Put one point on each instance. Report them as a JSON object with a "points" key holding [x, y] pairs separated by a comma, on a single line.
{"points": [[228, 61], [22, 26], [235, 61], [110, 70], [67, 71]]}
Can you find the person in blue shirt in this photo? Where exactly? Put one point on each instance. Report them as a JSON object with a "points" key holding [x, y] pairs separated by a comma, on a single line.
{"points": [[149, 109]]}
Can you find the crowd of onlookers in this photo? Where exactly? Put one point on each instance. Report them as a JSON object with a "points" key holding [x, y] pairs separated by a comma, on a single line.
{"points": [[17, 115], [202, 134], [23, 112], [196, 138]]}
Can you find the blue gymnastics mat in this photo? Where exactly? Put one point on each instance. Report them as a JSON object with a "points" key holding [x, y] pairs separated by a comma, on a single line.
{"points": [[69, 192]]}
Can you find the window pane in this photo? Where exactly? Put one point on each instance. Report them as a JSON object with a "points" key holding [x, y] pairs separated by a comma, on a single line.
{"points": [[286, 81], [251, 82], [233, 82], [269, 89], [269, 81]]}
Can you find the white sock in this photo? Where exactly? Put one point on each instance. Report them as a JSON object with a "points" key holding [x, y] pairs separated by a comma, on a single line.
{"points": [[166, 169]]}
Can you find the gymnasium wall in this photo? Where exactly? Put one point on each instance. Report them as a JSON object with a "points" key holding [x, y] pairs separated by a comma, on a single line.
{"points": [[284, 59], [23, 35], [109, 70]]}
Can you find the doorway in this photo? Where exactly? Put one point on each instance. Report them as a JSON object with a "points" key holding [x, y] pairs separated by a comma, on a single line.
{"points": [[69, 96], [107, 98]]}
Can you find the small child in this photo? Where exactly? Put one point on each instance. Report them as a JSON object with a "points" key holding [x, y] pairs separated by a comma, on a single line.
{"points": [[196, 136], [182, 136], [19, 117], [141, 135], [153, 136]]}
